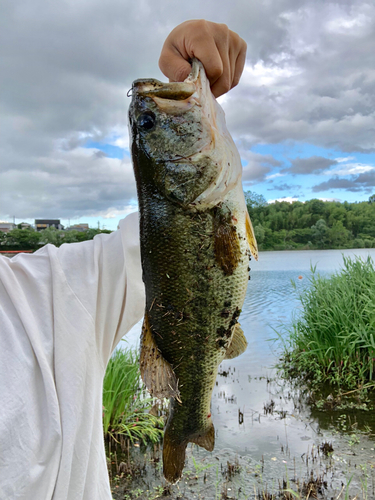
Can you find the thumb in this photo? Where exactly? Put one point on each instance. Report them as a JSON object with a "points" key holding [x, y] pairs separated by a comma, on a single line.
{"points": [[173, 65]]}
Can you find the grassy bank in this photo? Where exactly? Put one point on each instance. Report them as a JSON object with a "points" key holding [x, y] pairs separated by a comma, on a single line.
{"points": [[126, 408], [332, 341]]}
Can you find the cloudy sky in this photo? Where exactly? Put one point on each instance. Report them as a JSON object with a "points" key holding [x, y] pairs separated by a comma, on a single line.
{"points": [[303, 115]]}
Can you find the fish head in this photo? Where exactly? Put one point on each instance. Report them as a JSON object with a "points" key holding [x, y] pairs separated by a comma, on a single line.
{"points": [[179, 140]]}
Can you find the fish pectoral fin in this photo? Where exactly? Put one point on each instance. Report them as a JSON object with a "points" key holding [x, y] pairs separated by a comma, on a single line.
{"points": [[250, 236], [156, 372], [238, 344], [206, 439]]}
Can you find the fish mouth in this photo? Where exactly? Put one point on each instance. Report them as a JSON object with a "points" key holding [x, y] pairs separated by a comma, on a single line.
{"points": [[172, 91]]}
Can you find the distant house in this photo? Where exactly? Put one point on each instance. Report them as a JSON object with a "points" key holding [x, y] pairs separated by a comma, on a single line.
{"points": [[41, 224], [24, 225], [5, 227], [78, 227]]}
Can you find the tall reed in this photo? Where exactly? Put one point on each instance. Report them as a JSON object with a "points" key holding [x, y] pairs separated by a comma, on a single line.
{"points": [[333, 339], [126, 408]]}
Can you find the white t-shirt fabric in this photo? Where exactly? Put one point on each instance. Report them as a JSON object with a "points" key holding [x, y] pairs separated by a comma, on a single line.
{"points": [[62, 313]]}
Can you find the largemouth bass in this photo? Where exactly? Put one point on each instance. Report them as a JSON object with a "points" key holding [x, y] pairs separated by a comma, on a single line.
{"points": [[196, 240]]}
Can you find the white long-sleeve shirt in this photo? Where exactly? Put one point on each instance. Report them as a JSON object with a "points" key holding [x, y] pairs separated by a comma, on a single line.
{"points": [[62, 312]]}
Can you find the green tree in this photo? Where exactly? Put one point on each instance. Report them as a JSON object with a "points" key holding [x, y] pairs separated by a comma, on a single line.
{"points": [[338, 235], [22, 239], [254, 200], [320, 233], [260, 233], [52, 235]]}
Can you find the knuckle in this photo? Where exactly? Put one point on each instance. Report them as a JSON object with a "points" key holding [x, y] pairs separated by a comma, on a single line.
{"points": [[221, 87], [238, 43], [224, 28], [216, 70], [202, 25]]}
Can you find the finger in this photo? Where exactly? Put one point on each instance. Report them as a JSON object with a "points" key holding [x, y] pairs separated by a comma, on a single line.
{"points": [[174, 66], [211, 59], [224, 83], [206, 50], [221, 51], [233, 55], [190, 39], [240, 64], [225, 52]]}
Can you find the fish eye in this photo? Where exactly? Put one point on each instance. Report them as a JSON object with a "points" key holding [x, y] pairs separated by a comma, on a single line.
{"points": [[146, 120]]}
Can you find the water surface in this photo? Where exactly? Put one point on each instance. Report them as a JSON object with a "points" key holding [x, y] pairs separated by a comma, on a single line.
{"points": [[249, 384]]}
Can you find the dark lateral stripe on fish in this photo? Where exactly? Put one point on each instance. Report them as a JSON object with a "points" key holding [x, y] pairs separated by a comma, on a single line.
{"points": [[227, 245]]}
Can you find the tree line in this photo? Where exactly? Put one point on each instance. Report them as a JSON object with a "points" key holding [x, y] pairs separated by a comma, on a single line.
{"points": [[30, 239], [313, 224]]}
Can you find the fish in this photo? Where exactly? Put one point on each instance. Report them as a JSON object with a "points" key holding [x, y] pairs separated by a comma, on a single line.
{"points": [[196, 241]]}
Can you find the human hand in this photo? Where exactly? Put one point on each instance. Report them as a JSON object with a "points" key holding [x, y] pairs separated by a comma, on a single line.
{"points": [[221, 51]]}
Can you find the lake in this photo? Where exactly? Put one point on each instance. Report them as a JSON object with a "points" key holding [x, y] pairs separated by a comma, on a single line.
{"points": [[262, 420]]}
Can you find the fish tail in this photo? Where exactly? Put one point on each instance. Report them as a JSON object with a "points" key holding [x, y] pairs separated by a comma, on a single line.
{"points": [[174, 451], [173, 458]]}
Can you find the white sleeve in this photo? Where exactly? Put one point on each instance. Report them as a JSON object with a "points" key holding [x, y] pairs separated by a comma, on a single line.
{"points": [[106, 277]]}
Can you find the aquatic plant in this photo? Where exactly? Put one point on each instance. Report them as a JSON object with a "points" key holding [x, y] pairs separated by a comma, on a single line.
{"points": [[333, 338], [126, 409]]}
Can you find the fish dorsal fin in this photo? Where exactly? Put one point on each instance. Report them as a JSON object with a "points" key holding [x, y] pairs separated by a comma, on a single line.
{"points": [[156, 372], [205, 439], [250, 236], [227, 245], [238, 344]]}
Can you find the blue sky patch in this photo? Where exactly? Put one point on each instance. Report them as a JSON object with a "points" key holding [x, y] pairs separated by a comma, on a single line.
{"points": [[109, 149]]}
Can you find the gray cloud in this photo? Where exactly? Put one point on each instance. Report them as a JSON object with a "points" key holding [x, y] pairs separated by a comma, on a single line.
{"points": [[363, 182], [312, 165], [72, 184], [254, 174], [322, 87], [65, 72], [284, 187], [258, 166]]}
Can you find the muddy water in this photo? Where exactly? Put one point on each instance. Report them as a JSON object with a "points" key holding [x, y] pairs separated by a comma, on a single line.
{"points": [[262, 423]]}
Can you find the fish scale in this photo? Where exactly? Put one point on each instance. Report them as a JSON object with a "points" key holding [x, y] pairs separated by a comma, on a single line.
{"points": [[196, 238]]}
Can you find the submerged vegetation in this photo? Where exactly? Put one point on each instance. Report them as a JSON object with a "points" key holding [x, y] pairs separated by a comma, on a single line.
{"points": [[332, 341], [126, 409]]}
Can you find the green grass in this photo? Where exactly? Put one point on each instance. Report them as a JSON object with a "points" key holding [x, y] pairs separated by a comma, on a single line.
{"points": [[125, 406], [333, 339]]}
